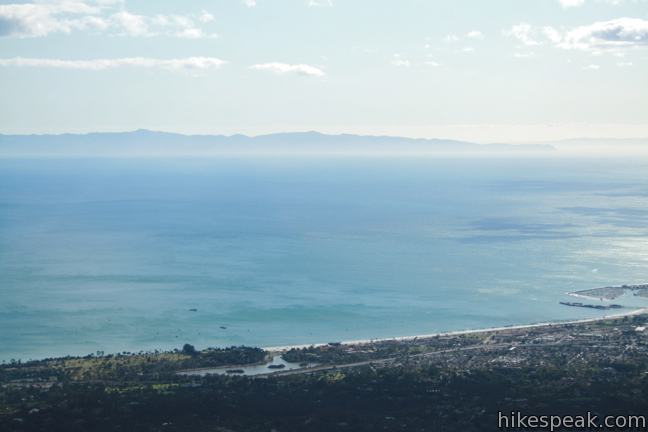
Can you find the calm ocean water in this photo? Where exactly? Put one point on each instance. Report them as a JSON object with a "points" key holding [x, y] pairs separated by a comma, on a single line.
{"points": [[113, 255]]}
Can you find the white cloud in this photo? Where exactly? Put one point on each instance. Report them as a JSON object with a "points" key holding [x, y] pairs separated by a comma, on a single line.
{"points": [[552, 34], [624, 64], [40, 19], [432, 63], [576, 3], [592, 67], [134, 25], [193, 33], [399, 61], [206, 17], [475, 34], [524, 33], [571, 3], [188, 63], [616, 33], [168, 25], [320, 3], [451, 38], [596, 38], [250, 3], [285, 68], [65, 16]]}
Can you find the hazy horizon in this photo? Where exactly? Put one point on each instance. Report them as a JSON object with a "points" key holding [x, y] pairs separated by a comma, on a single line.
{"points": [[319, 132], [503, 72], [147, 143]]}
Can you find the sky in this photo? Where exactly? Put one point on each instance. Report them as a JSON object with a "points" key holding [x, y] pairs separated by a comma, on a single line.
{"points": [[485, 71]]}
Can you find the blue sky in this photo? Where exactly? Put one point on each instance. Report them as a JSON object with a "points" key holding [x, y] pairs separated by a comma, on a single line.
{"points": [[500, 70]]}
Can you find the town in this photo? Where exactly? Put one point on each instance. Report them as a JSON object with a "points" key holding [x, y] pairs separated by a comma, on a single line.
{"points": [[426, 383]]}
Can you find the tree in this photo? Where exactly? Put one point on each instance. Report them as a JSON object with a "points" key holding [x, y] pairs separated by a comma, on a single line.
{"points": [[189, 350]]}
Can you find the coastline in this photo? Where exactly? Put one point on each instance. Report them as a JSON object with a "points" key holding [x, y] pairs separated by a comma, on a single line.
{"points": [[279, 349], [586, 297], [638, 311]]}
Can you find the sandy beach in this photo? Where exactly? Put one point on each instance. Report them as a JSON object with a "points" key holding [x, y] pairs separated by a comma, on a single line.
{"points": [[638, 311]]}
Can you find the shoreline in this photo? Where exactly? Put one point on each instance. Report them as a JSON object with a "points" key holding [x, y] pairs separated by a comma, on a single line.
{"points": [[583, 296], [279, 349], [638, 311]]}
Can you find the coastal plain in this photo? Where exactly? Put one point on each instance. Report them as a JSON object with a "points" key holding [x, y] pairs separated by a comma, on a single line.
{"points": [[420, 384]]}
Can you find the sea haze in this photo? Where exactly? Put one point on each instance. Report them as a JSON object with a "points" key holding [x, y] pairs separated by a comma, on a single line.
{"points": [[129, 255]]}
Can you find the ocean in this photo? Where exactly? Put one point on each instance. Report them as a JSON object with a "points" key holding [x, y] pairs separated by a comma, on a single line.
{"points": [[142, 254]]}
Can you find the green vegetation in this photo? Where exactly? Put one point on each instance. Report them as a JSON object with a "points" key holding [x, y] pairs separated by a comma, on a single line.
{"points": [[189, 350], [338, 354], [450, 383], [127, 367], [399, 398]]}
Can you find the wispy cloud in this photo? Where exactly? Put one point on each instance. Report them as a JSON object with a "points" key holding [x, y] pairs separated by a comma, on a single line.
{"points": [[98, 16], [523, 32], [320, 3], [475, 34], [571, 3], [613, 34], [552, 34], [187, 64], [566, 4], [399, 61], [616, 33], [250, 3], [286, 68], [451, 38], [206, 17]]}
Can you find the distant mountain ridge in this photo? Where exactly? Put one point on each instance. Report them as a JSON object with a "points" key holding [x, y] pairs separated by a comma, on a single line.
{"points": [[596, 142], [151, 143]]}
